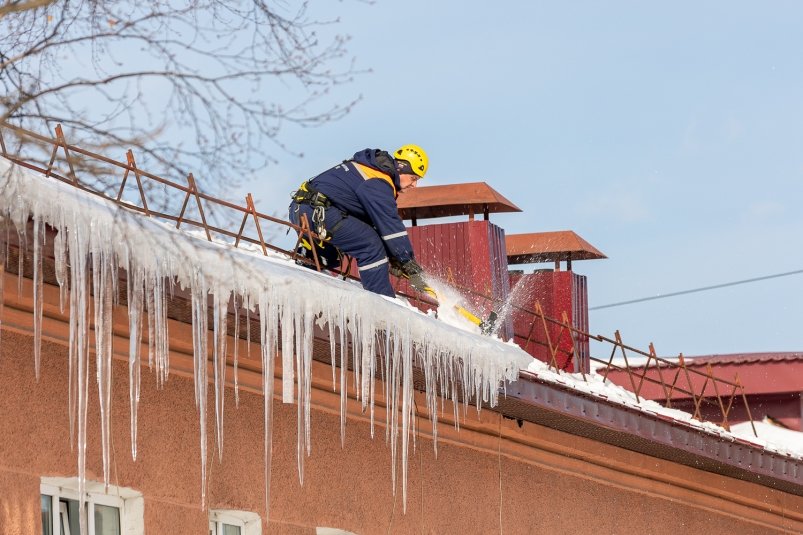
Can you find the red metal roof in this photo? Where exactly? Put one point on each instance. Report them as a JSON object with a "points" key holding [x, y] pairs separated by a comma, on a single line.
{"points": [[453, 200], [743, 358], [760, 373], [548, 247]]}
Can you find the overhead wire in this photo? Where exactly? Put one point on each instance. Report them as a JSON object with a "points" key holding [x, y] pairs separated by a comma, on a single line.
{"points": [[694, 290]]}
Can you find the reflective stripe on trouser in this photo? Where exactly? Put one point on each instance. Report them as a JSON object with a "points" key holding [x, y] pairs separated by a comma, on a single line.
{"points": [[358, 239]]}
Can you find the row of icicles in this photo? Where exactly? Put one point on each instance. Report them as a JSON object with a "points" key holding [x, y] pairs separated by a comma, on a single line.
{"points": [[85, 273]]}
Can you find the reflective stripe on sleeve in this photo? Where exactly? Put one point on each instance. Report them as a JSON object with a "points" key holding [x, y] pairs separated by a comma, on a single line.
{"points": [[392, 236], [373, 265]]}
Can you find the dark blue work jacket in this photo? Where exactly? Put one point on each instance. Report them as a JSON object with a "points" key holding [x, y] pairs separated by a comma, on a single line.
{"points": [[366, 187]]}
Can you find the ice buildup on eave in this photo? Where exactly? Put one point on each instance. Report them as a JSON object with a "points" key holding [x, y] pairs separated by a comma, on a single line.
{"points": [[95, 235]]}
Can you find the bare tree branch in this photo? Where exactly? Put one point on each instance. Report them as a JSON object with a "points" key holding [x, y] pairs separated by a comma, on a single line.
{"points": [[18, 7], [203, 86]]}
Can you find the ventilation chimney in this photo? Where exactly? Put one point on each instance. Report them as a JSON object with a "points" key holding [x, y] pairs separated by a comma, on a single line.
{"points": [[474, 256], [557, 292], [470, 255]]}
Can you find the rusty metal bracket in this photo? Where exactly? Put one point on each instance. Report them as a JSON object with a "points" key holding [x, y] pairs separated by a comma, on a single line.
{"points": [[61, 141], [132, 165]]}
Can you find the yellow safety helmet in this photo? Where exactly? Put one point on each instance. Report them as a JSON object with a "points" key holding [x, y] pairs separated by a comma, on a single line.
{"points": [[416, 156]]}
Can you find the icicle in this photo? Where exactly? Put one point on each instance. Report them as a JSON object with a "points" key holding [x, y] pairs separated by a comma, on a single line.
{"points": [[406, 408], [355, 329], [287, 354], [135, 310], [343, 378], [158, 341], [62, 275], [199, 347], [307, 339], [38, 238], [161, 352], [22, 240], [268, 330], [151, 305], [393, 407], [298, 322], [79, 358], [72, 358], [237, 301], [332, 349], [104, 268], [220, 311], [248, 326], [368, 358]]}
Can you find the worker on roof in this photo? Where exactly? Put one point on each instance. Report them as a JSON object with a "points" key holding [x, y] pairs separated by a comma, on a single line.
{"points": [[352, 208]]}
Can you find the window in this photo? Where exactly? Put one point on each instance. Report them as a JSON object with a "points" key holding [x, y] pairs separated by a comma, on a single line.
{"points": [[230, 522], [114, 513]]}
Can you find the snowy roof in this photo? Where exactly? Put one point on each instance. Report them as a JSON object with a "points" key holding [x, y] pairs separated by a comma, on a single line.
{"points": [[759, 373], [96, 232], [770, 435]]}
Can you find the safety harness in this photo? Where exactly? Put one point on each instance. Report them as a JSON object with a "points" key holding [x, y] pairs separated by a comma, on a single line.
{"points": [[307, 194]]}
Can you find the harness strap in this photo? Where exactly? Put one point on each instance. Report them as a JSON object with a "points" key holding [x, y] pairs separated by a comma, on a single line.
{"points": [[307, 194]]}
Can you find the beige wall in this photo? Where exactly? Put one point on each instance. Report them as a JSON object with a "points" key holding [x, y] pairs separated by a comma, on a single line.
{"points": [[531, 480]]}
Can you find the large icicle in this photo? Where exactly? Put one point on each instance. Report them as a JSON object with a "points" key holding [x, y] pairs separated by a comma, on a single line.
{"points": [[79, 258], [62, 270], [38, 239], [268, 326], [200, 338], [235, 364], [104, 270], [221, 306], [136, 305]]}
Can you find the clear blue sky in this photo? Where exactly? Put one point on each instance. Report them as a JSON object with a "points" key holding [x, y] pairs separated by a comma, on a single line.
{"points": [[668, 136]]}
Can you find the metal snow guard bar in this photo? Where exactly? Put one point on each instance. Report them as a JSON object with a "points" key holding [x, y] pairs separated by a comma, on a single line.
{"points": [[559, 336]]}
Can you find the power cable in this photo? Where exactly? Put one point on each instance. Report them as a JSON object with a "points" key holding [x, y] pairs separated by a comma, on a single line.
{"points": [[703, 289]]}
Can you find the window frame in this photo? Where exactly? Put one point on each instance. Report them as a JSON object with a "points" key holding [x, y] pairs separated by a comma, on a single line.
{"points": [[128, 502], [249, 523]]}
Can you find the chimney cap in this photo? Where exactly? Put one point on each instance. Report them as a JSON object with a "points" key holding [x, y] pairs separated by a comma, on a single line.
{"points": [[428, 202], [548, 246]]}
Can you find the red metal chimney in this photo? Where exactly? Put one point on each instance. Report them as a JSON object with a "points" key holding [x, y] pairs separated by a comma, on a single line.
{"points": [[556, 291], [474, 256], [471, 254]]}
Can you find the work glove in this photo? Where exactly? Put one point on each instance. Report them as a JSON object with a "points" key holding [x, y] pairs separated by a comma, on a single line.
{"points": [[395, 268], [412, 271]]}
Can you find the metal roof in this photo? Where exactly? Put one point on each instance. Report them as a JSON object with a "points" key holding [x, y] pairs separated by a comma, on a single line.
{"points": [[566, 409], [549, 246], [768, 373], [453, 200], [744, 358]]}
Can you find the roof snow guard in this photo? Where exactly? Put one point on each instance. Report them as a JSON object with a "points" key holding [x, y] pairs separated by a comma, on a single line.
{"points": [[453, 200]]}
